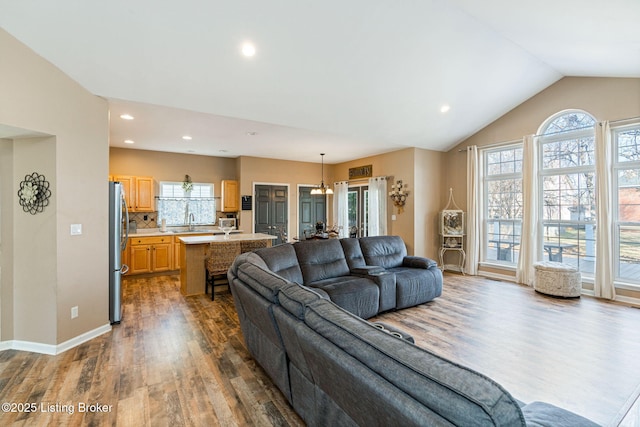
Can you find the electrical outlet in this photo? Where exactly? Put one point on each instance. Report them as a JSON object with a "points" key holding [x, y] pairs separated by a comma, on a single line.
{"points": [[74, 312]]}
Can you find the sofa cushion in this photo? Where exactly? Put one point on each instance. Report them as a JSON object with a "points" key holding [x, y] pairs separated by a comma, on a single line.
{"points": [[385, 251], [321, 259], [357, 295], [282, 260], [261, 280], [416, 285], [460, 395]]}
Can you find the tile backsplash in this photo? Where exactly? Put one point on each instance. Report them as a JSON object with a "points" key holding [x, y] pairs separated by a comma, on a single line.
{"points": [[141, 222]]}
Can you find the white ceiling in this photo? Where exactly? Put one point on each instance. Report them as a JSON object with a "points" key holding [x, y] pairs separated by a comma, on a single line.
{"points": [[349, 78]]}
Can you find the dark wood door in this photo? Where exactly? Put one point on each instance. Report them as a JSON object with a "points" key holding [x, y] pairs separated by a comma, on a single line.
{"points": [[313, 208], [272, 207]]}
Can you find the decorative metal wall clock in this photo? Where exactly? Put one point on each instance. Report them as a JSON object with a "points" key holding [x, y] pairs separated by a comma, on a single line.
{"points": [[34, 193]]}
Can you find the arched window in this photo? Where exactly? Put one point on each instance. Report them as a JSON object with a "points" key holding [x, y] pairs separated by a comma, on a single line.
{"points": [[567, 189]]}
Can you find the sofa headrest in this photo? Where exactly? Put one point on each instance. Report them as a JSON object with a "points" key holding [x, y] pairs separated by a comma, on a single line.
{"points": [[282, 260], [385, 251], [321, 259], [248, 257], [352, 252], [294, 298]]}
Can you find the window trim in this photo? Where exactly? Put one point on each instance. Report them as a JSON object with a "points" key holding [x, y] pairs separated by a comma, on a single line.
{"points": [[583, 132], [485, 179], [616, 223]]}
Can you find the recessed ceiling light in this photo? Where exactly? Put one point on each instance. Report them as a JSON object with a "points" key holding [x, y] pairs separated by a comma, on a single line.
{"points": [[445, 108], [129, 141], [223, 151], [187, 138], [248, 49], [251, 133], [126, 117], [191, 151]]}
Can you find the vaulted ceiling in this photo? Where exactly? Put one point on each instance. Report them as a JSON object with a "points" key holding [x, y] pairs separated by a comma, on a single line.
{"points": [[349, 78]]}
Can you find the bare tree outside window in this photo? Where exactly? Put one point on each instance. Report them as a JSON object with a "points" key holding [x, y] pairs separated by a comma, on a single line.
{"points": [[503, 204], [567, 147]]}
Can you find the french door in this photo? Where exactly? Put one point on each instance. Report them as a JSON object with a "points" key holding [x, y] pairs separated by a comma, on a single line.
{"points": [[358, 205], [312, 208], [271, 211]]}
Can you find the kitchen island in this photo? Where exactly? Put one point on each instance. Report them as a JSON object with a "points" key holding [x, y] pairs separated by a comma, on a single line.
{"points": [[193, 251]]}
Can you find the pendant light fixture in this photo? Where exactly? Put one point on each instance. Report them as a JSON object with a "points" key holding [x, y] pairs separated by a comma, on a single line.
{"points": [[322, 189]]}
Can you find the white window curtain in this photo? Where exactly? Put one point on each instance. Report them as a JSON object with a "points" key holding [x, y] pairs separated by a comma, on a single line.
{"points": [[603, 274], [377, 223], [473, 217], [529, 234], [341, 207]]}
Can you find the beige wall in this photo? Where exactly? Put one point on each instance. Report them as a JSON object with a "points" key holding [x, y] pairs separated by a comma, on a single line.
{"points": [[53, 271], [6, 239], [430, 199], [171, 166]]}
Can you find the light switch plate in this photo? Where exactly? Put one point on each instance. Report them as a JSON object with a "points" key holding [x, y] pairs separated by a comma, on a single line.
{"points": [[393, 217], [76, 229]]}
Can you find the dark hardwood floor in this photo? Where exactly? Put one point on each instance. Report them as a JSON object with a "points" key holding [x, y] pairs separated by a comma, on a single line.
{"points": [[181, 361]]}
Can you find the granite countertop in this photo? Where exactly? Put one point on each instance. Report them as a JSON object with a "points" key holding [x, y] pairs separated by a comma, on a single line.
{"points": [[150, 232]]}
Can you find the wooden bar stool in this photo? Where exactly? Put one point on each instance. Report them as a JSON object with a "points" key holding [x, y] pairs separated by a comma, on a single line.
{"points": [[219, 258]]}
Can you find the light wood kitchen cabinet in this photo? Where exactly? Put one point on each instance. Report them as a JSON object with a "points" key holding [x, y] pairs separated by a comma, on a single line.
{"points": [[128, 185], [176, 248], [151, 254], [230, 196], [144, 194], [138, 192]]}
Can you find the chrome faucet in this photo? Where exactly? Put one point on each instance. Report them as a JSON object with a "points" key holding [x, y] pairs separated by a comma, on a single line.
{"points": [[191, 219]]}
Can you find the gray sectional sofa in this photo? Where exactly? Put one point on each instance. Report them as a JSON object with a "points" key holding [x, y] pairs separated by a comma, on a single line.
{"points": [[365, 276], [335, 368]]}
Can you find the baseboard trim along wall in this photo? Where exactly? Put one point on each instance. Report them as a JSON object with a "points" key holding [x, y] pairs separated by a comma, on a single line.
{"points": [[52, 350]]}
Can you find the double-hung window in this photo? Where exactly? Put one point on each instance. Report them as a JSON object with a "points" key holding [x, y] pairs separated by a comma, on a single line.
{"points": [[177, 206], [627, 203], [502, 189], [567, 190]]}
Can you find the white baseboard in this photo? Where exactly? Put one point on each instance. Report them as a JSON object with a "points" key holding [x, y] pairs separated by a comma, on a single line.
{"points": [[496, 276], [628, 300], [50, 349]]}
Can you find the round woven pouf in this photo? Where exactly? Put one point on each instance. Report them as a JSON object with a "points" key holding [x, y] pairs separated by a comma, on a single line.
{"points": [[557, 279]]}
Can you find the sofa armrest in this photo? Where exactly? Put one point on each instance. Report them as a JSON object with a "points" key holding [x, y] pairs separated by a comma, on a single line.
{"points": [[366, 270], [418, 262]]}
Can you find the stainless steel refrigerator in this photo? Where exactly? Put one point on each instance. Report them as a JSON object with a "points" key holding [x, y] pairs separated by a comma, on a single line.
{"points": [[118, 236]]}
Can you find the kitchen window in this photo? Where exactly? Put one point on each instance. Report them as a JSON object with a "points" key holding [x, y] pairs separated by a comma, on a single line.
{"points": [[176, 206]]}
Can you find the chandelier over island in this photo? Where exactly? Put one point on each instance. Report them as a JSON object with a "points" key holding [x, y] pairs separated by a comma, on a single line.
{"points": [[322, 189]]}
